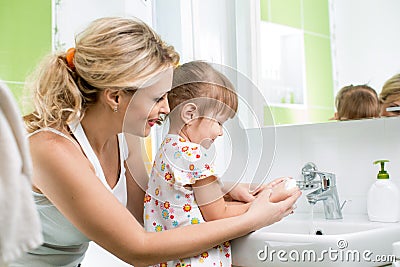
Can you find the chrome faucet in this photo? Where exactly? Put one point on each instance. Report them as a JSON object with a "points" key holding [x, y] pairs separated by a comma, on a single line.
{"points": [[326, 190]]}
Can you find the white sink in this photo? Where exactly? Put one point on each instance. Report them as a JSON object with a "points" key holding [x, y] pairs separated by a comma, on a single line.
{"points": [[299, 241]]}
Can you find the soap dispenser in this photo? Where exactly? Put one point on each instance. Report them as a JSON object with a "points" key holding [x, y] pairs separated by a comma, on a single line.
{"points": [[383, 202]]}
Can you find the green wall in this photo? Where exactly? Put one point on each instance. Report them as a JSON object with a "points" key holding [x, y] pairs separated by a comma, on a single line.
{"points": [[311, 16], [26, 33]]}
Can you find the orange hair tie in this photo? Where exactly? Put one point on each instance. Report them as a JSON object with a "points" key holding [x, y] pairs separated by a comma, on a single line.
{"points": [[70, 58]]}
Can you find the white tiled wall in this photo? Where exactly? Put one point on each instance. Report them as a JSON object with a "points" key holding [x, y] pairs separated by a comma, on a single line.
{"points": [[347, 149]]}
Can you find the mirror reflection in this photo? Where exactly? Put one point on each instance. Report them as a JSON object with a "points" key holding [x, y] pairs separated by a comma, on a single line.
{"points": [[355, 102], [298, 54], [390, 97]]}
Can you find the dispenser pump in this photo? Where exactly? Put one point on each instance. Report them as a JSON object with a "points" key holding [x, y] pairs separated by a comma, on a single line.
{"points": [[383, 202], [382, 173]]}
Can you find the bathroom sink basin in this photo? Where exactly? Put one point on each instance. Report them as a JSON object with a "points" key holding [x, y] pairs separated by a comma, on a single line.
{"points": [[299, 241]]}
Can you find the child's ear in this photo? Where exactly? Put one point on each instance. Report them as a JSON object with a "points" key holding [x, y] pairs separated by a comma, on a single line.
{"points": [[189, 112]]}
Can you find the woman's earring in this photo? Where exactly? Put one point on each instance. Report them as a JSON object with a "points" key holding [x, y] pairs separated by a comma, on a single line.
{"points": [[115, 109]]}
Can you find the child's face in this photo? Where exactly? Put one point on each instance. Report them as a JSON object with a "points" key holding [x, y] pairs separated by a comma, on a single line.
{"points": [[205, 130]]}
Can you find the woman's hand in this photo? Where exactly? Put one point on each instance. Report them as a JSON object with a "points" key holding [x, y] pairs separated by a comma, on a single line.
{"points": [[263, 212]]}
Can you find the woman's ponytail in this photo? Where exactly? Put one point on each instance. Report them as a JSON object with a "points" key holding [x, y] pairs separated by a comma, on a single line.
{"points": [[56, 97]]}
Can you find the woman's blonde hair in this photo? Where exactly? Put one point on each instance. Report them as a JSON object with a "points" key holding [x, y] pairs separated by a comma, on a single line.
{"points": [[199, 80], [116, 53], [390, 88], [357, 102]]}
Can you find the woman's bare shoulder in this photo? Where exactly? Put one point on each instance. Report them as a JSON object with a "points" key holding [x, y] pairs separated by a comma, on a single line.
{"points": [[52, 147], [57, 160], [53, 139]]}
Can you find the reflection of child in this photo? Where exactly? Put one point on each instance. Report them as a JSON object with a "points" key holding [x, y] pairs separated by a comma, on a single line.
{"points": [[357, 102], [183, 188], [390, 97]]}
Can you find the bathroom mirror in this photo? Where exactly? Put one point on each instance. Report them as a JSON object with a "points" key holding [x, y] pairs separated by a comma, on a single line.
{"points": [[298, 53], [342, 42]]}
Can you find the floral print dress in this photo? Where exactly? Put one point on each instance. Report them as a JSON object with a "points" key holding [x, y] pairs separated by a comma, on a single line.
{"points": [[169, 201]]}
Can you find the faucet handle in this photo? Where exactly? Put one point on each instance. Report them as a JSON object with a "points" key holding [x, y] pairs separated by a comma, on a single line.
{"points": [[309, 171]]}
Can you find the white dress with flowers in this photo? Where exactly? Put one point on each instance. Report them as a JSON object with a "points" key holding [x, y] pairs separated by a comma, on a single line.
{"points": [[169, 201]]}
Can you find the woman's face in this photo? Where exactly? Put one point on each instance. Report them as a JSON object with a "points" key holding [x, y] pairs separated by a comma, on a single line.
{"points": [[147, 104], [391, 107]]}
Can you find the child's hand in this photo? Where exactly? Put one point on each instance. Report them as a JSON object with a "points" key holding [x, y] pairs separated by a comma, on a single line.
{"points": [[241, 193], [284, 189], [275, 182]]}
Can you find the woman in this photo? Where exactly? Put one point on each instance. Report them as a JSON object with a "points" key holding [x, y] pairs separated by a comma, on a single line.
{"points": [[390, 97], [115, 79]]}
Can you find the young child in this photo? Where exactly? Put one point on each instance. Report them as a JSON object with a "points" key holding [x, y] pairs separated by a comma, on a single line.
{"points": [[183, 188], [357, 102]]}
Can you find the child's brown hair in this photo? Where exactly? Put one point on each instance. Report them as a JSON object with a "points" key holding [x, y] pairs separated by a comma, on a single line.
{"points": [[357, 102], [199, 80]]}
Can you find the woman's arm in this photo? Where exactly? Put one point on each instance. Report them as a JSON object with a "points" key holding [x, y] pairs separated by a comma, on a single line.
{"points": [[213, 206], [64, 175]]}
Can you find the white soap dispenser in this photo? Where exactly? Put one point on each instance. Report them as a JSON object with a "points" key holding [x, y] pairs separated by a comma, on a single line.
{"points": [[383, 202]]}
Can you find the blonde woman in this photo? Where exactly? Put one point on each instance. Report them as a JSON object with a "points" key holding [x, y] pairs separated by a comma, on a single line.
{"points": [[390, 97], [117, 77]]}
